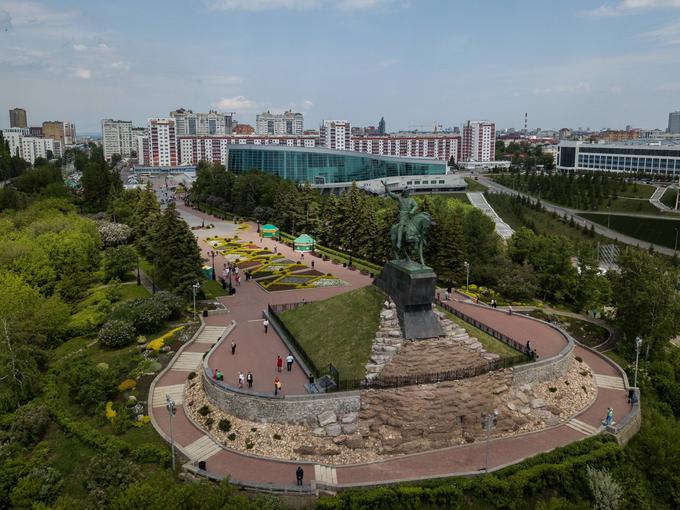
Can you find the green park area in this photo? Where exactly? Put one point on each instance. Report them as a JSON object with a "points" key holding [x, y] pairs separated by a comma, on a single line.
{"points": [[661, 230], [339, 330], [474, 185], [669, 197]]}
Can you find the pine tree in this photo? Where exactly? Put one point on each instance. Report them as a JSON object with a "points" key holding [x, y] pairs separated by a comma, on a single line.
{"points": [[147, 212], [175, 252]]}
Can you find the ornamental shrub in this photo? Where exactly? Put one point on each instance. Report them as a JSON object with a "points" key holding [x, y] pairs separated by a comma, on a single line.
{"points": [[116, 333], [88, 384], [108, 471], [42, 485], [224, 425], [172, 302], [204, 411], [29, 423]]}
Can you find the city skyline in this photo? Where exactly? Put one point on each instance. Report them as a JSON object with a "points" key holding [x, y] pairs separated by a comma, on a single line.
{"points": [[581, 63]]}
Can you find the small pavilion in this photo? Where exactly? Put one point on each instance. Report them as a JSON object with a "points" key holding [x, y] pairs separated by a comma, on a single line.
{"points": [[304, 243], [269, 231]]}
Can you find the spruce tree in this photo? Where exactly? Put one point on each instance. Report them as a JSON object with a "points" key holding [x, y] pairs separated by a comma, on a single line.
{"points": [[176, 253]]}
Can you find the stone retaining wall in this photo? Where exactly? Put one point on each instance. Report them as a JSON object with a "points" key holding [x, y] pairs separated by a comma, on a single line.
{"points": [[544, 370], [287, 409]]}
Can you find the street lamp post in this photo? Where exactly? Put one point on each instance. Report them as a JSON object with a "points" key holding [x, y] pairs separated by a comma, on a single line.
{"points": [[608, 216], [194, 289], [467, 275], [488, 423], [212, 254], [638, 344], [170, 406], [139, 278]]}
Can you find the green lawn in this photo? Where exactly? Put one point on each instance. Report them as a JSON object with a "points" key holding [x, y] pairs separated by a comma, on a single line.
{"points": [[661, 231], [474, 185], [213, 289], [517, 216], [133, 291], [638, 191], [339, 330], [668, 198], [490, 343], [461, 196]]}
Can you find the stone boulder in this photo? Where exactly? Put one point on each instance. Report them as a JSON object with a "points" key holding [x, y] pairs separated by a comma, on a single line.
{"points": [[333, 430], [326, 418]]}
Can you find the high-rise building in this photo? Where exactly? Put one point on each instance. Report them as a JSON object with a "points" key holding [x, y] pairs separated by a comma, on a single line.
{"points": [[479, 141], [674, 123], [142, 147], [442, 147], [17, 118], [35, 131], [116, 138], [382, 128], [335, 134], [65, 132], [28, 147], [162, 142], [279, 124], [188, 123]]}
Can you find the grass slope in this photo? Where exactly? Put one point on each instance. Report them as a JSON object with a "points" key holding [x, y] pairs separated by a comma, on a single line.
{"points": [[659, 231], [338, 330], [668, 198], [474, 185]]}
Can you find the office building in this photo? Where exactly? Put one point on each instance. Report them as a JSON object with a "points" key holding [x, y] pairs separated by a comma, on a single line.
{"points": [[633, 158], [213, 123], [479, 141], [279, 124], [162, 143], [17, 118], [116, 138], [443, 147], [382, 127], [674, 123], [65, 132], [322, 166], [335, 134], [193, 149]]}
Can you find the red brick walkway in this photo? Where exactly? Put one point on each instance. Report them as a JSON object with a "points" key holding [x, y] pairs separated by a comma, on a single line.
{"points": [[257, 352]]}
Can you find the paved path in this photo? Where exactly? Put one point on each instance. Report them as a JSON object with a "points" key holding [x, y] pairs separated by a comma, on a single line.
{"points": [[572, 213], [502, 229], [256, 351]]}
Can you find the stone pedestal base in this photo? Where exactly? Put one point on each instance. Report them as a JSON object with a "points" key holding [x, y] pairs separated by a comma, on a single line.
{"points": [[412, 288]]}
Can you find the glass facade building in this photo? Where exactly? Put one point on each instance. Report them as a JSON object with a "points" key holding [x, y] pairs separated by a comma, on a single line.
{"points": [[325, 166], [652, 159]]}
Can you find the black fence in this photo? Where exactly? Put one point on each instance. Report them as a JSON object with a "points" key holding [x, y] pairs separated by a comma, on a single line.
{"points": [[383, 382], [278, 324], [518, 346]]}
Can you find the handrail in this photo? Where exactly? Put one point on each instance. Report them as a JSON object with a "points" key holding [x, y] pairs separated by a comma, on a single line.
{"points": [[479, 325]]}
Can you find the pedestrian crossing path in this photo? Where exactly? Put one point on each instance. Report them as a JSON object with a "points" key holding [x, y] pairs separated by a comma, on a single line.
{"points": [[201, 449], [188, 361], [326, 475], [210, 335], [582, 427], [176, 392], [609, 381]]}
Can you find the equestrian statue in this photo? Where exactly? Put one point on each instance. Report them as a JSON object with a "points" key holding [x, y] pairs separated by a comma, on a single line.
{"points": [[408, 234]]}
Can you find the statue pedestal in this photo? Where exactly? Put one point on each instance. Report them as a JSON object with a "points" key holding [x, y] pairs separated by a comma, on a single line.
{"points": [[412, 287]]}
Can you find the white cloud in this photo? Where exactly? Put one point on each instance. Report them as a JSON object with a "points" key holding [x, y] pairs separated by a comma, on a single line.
{"points": [[82, 73], [624, 7], [220, 80], [299, 5], [667, 35], [79, 47], [307, 104], [235, 104]]}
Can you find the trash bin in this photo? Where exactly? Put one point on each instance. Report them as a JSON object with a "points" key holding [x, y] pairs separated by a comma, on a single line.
{"points": [[201, 465], [205, 313]]}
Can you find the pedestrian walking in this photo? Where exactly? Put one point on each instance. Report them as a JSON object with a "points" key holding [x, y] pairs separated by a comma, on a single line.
{"points": [[299, 474], [610, 417], [233, 348], [509, 309], [289, 362], [279, 363], [493, 303], [446, 295], [240, 379], [277, 385], [249, 378], [265, 323], [528, 347], [302, 256], [312, 264]]}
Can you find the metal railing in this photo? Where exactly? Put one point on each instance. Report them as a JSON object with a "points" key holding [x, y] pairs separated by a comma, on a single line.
{"points": [[518, 346], [284, 307], [382, 382]]}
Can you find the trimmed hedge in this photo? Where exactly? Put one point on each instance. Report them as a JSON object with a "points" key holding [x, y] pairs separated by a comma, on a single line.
{"points": [[511, 488], [92, 437]]}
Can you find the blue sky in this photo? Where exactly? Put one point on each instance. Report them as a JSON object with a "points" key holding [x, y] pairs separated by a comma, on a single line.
{"points": [[577, 63]]}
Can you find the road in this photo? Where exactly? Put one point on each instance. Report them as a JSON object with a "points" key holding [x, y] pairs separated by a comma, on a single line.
{"points": [[574, 214]]}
